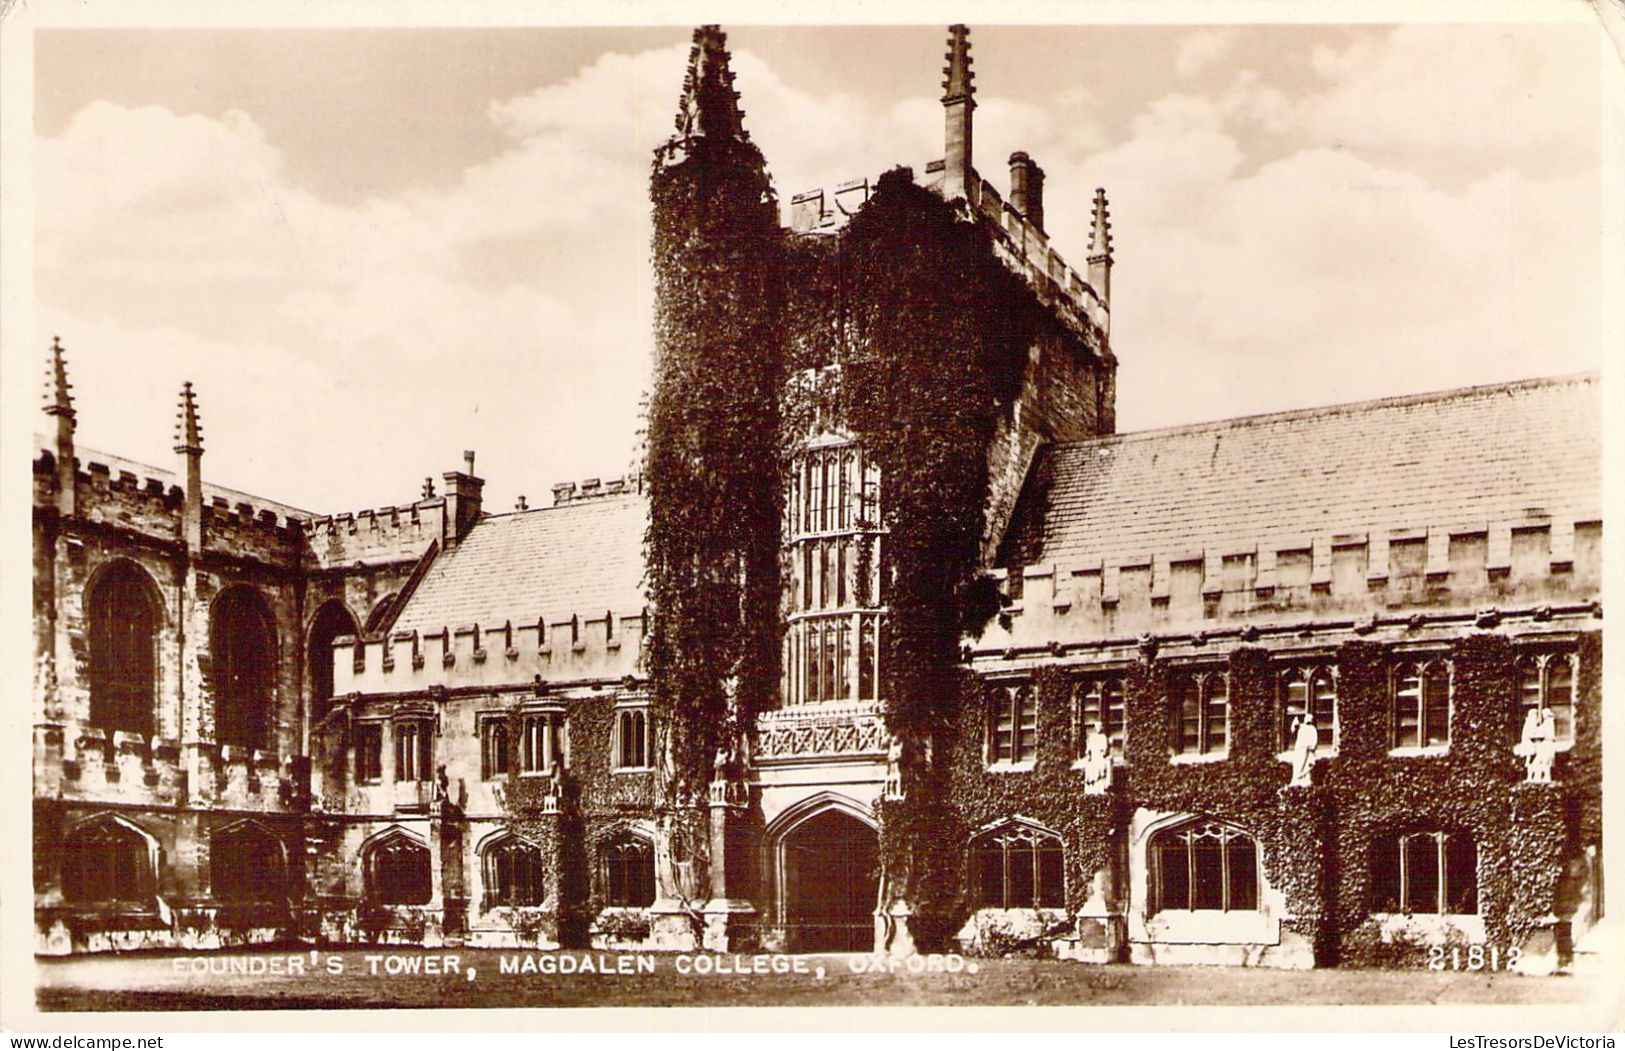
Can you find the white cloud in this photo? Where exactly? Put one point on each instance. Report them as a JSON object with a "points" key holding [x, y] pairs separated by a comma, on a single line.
{"points": [[1200, 50], [342, 352]]}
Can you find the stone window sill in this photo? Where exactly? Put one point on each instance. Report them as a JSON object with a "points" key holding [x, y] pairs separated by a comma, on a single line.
{"points": [[1005, 767], [1197, 758], [1419, 752]]}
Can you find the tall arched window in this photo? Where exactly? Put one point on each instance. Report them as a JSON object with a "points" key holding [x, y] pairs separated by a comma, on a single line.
{"points": [[629, 872], [397, 870], [1018, 867], [1203, 865], [247, 863], [1199, 713], [1420, 694], [1546, 680], [107, 861], [1308, 690], [633, 742], [242, 643], [332, 621], [514, 874], [123, 613]]}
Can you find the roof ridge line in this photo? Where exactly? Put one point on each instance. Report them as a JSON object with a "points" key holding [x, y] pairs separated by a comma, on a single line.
{"points": [[1338, 408]]}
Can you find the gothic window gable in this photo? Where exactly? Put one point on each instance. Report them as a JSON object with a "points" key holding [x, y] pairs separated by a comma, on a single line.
{"points": [[1203, 865], [396, 870], [1017, 865], [109, 860], [628, 871], [247, 863]]}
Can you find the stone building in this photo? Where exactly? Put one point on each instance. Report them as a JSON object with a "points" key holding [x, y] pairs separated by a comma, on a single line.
{"points": [[1311, 688]]}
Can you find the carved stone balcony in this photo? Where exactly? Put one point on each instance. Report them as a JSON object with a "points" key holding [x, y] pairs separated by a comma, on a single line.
{"points": [[832, 731]]}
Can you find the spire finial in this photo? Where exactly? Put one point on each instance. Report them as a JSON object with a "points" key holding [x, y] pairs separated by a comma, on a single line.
{"points": [[709, 106], [58, 402], [1100, 238], [957, 75], [188, 431]]}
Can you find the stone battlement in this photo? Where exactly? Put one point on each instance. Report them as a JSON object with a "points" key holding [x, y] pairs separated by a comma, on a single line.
{"points": [[602, 645], [1021, 245], [1303, 578], [594, 488], [384, 534]]}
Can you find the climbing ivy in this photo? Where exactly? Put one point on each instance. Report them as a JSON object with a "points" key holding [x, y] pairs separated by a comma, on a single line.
{"points": [[715, 491]]}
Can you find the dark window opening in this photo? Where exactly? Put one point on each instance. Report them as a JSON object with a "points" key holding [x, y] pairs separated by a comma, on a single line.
{"points": [[1425, 873], [107, 862], [242, 645], [123, 650], [1019, 868], [514, 874], [398, 873], [247, 864], [332, 621], [1204, 865], [629, 873]]}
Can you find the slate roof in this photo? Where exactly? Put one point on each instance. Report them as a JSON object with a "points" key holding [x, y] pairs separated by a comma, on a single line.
{"points": [[1510, 451], [582, 557]]}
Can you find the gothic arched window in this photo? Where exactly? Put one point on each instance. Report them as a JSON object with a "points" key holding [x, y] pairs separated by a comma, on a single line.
{"points": [[242, 643], [514, 874], [634, 739], [629, 872], [247, 863], [397, 872], [107, 861], [123, 615], [332, 621], [1546, 680], [1308, 690], [1420, 694], [1199, 713], [1018, 867], [1203, 865]]}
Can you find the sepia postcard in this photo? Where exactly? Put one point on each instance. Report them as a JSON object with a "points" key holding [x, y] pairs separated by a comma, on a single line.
{"points": [[1093, 507]]}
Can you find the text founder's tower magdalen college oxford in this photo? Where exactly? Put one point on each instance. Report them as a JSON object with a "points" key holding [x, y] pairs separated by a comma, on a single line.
{"points": [[890, 642]]}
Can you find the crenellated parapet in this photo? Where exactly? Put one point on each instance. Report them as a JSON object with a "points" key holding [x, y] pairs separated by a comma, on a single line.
{"points": [[1529, 561], [597, 488], [602, 645], [376, 535], [121, 493]]}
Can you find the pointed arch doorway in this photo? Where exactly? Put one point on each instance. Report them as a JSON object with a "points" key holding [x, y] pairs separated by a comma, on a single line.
{"points": [[829, 882]]}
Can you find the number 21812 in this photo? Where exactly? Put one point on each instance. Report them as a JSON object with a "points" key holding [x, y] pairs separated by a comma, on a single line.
{"points": [[1472, 958]]}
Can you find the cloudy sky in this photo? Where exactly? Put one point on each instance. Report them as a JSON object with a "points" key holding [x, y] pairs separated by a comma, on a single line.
{"points": [[372, 249]]}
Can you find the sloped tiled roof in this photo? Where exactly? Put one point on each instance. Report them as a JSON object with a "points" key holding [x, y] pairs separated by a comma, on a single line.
{"points": [[1479, 454], [583, 557]]}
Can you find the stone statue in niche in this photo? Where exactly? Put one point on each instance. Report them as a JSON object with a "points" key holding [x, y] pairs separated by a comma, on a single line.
{"points": [[1538, 746], [894, 768], [441, 784], [1097, 761], [1305, 739]]}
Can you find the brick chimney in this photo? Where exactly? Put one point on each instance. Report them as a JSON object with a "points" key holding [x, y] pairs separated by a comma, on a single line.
{"points": [[463, 494], [1027, 188]]}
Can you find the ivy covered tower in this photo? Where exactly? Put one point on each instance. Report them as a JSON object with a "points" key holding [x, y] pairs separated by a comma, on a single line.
{"points": [[712, 545]]}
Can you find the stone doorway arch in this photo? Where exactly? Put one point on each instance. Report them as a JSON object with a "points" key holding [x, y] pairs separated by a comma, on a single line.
{"points": [[827, 868]]}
